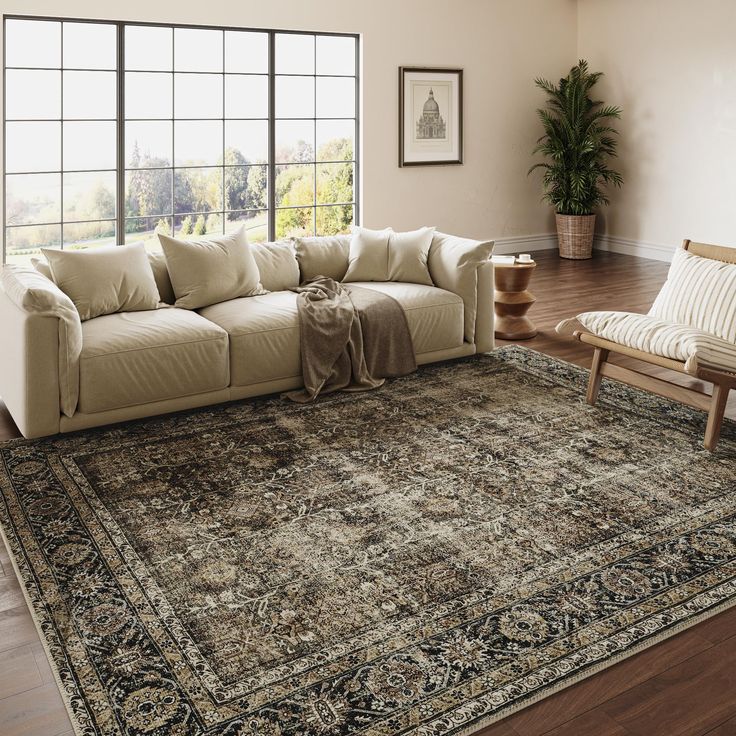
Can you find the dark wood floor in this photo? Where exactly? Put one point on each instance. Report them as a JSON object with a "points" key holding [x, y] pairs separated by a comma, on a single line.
{"points": [[684, 686]]}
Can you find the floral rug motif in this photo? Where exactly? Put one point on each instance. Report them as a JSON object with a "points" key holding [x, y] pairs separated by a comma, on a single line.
{"points": [[423, 559]]}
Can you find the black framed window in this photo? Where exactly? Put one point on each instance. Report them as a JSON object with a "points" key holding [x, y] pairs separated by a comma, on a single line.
{"points": [[115, 131]]}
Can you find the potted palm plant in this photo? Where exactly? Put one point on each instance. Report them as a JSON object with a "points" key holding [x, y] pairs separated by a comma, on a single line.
{"points": [[578, 140]]}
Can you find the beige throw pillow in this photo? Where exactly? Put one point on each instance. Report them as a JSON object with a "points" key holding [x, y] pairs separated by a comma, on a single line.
{"points": [[322, 256], [368, 259], [277, 265], [384, 255], [113, 278], [210, 271]]}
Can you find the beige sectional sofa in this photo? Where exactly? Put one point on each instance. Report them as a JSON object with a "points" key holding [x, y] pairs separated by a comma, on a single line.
{"points": [[143, 363]]}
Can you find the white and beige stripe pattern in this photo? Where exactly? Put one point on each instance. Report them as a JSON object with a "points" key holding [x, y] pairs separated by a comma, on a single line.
{"points": [[699, 292], [690, 345]]}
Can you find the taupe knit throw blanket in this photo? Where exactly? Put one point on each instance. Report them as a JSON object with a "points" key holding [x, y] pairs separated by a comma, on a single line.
{"points": [[351, 338]]}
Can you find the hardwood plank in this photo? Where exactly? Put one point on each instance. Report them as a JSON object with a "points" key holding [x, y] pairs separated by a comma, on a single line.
{"points": [[42, 663], [16, 628], [587, 694], [19, 671], [725, 729], [500, 728], [594, 722], [11, 596], [37, 712], [721, 627], [671, 703], [6, 566]]}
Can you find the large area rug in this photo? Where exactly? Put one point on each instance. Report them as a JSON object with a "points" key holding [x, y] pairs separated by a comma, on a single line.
{"points": [[421, 559]]}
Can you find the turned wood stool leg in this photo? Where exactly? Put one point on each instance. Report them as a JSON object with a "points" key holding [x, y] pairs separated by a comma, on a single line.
{"points": [[600, 356], [715, 415]]}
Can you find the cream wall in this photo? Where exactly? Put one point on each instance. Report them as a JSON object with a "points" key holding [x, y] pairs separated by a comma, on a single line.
{"points": [[501, 45], [671, 65]]}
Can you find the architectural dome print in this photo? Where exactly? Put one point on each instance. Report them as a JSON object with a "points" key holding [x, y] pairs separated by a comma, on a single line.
{"points": [[431, 123]]}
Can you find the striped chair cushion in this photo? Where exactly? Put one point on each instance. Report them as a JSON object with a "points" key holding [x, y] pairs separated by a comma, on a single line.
{"points": [[699, 292], [690, 345]]}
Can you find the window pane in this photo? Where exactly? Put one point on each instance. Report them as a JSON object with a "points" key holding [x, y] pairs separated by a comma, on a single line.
{"points": [[197, 50], [148, 95], [25, 242], [335, 140], [90, 95], [335, 97], [246, 187], [43, 104], [246, 96], [335, 220], [294, 97], [335, 55], [246, 141], [198, 226], [294, 53], [246, 52], [90, 46], [148, 193], [294, 141], [198, 95], [32, 147], [148, 48], [197, 142], [145, 230], [34, 43], [33, 198], [89, 196], [255, 223], [197, 190], [81, 235], [294, 185], [89, 145], [148, 144], [334, 183], [294, 223]]}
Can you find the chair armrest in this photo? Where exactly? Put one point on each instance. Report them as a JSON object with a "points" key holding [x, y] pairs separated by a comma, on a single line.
{"points": [[454, 265], [29, 368]]}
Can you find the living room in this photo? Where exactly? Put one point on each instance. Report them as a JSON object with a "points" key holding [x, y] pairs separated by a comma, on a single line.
{"points": [[366, 368]]}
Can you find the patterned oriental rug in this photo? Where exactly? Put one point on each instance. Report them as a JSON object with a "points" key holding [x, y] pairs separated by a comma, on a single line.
{"points": [[421, 559]]}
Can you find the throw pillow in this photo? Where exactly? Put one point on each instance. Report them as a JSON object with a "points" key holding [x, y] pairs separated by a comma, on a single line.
{"points": [[408, 254], [322, 256], [368, 258], [277, 265], [210, 271], [113, 278]]}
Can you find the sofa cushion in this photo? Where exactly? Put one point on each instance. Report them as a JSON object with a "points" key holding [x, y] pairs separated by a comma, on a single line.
{"points": [[137, 357], [112, 278], [264, 336], [435, 316]]}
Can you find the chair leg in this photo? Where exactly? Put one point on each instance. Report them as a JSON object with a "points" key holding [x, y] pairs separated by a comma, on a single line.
{"points": [[600, 356], [715, 415]]}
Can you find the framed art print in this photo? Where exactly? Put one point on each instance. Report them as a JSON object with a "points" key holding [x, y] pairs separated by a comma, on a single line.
{"points": [[430, 116]]}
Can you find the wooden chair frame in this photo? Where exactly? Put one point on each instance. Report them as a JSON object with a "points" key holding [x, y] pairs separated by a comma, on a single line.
{"points": [[713, 403]]}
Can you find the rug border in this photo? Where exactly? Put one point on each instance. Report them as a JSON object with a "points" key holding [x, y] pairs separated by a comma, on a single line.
{"points": [[469, 730], [76, 725]]}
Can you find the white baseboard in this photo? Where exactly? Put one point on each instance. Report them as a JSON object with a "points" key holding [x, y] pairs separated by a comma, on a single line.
{"points": [[524, 244], [637, 248], [548, 241]]}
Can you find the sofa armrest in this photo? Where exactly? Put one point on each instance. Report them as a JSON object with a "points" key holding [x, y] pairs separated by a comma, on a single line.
{"points": [[485, 316], [29, 368], [454, 265]]}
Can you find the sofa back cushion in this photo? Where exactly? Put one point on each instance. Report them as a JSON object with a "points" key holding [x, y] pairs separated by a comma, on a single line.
{"points": [[699, 292], [384, 255], [114, 278], [161, 275], [213, 270], [322, 256], [277, 265]]}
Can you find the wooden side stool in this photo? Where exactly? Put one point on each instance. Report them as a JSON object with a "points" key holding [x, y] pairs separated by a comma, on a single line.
{"points": [[512, 300]]}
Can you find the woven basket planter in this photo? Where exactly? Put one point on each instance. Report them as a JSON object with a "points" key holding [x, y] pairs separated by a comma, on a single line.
{"points": [[575, 235]]}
